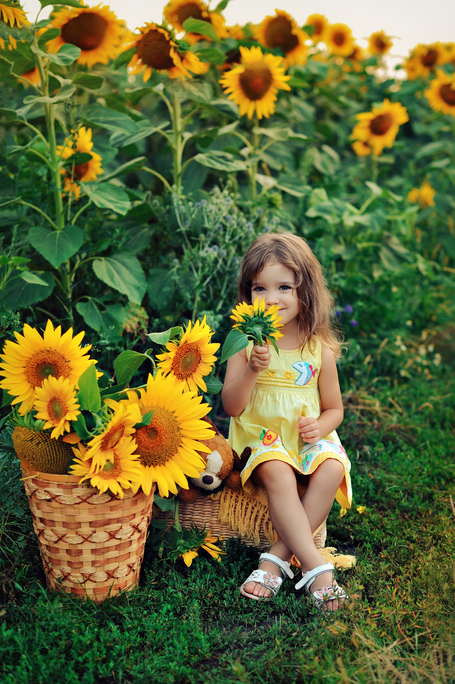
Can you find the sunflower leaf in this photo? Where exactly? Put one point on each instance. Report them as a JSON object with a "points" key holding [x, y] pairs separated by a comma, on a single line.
{"points": [[163, 338], [80, 427], [70, 3], [213, 384], [126, 364], [88, 80], [123, 272], [234, 342], [56, 246], [89, 393], [221, 161], [202, 27], [108, 196], [146, 420]]}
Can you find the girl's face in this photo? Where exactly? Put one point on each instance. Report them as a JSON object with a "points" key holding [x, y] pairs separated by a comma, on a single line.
{"points": [[276, 284]]}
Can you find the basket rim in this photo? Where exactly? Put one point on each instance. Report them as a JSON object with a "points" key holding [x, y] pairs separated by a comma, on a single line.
{"points": [[50, 477]]}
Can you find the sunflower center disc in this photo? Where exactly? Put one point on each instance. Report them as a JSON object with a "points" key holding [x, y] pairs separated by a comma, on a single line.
{"points": [[86, 31], [186, 361], [56, 409], [381, 124], [190, 10], [79, 171], [158, 443], [430, 58], [279, 34], [256, 81], [339, 38], [112, 437], [43, 364], [447, 94], [154, 50]]}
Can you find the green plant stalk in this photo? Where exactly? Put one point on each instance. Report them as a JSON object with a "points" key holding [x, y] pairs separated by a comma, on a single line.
{"points": [[177, 147]]}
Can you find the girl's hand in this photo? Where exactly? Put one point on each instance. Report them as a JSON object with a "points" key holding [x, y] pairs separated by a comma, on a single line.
{"points": [[259, 358], [309, 430]]}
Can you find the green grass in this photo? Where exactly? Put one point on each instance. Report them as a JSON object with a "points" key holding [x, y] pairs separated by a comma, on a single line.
{"points": [[192, 625]]}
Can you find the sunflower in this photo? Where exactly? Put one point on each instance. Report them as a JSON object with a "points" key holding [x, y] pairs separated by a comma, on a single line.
{"points": [[362, 149], [177, 12], [379, 43], [122, 472], [56, 404], [32, 359], [423, 195], [257, 323], [156, 50], [208, 544], [441, 93], [168, 447], [379, 127], [281, 31], [102, 447], [95, 30], [339, 39], [254, 83], [192, 358], [12, 13], [81, 141], [424, 59], [319, 23]]}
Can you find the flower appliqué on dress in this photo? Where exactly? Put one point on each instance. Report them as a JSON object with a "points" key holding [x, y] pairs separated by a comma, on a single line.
{"points": [[288, 375], [270, 373]]}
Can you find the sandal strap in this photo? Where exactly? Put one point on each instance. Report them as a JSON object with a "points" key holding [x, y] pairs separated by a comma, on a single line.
{"points": [[267, 579], [309, 577], [284, 566], [326, 594]]}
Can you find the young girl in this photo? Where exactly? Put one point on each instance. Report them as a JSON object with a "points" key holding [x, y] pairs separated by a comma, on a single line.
{"points": [[286, 407]]}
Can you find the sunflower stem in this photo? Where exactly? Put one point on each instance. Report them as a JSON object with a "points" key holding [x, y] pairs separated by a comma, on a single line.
{"points": [[177, 147]]}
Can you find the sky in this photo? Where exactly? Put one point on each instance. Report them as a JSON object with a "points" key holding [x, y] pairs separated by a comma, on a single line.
{"points": [[408, 21]]}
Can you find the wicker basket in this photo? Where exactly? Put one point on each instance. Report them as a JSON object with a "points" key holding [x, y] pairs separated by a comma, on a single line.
{"points": [[91, 544], [205, 512]]}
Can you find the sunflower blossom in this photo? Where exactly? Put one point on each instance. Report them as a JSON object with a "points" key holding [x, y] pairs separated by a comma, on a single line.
{"points": [[379, 43], [56, 404], [441, 93], [281, 31], [122, 472], [168, 447], [156, 50], [29, 361], [424, 59], [423, 195], [177, 12], [12, 14], [257, 323], [379, 128], [318, 23], [208, 545], [191, 359], [95, 30], [81, 142], [254, 83], [102, 448], [339, 39]]}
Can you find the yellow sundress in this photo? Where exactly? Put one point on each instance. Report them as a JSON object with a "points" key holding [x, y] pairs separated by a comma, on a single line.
{"points": [[285, 391]]}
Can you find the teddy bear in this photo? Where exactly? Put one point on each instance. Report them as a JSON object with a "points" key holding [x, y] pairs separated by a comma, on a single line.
{"points": [[223, 465]]}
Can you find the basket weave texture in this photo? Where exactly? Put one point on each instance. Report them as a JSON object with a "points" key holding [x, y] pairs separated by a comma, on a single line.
{"points": [[212, 513], [91, 544]]}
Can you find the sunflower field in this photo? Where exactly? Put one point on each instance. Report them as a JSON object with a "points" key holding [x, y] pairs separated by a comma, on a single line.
{"points": [[136, 167]]}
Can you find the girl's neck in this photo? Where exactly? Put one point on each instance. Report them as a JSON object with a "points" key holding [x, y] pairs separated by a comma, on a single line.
{"points": [[292, 338]]}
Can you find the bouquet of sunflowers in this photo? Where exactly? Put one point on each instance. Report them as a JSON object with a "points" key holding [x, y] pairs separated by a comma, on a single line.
{"points": [[70, 418]]}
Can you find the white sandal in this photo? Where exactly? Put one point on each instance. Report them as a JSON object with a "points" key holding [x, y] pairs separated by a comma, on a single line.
{"points": [[321, 596], [266, 579]]}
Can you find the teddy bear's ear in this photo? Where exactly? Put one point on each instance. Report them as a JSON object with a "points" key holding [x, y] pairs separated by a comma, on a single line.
{"points": [[246, 453]]}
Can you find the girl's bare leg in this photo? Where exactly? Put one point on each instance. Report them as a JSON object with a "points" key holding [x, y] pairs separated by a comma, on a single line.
{"points": [[295, 520]]}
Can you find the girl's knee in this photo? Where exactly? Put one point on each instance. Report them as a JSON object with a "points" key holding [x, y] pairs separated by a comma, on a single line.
{"points": [[333, 470], [275, 474]]}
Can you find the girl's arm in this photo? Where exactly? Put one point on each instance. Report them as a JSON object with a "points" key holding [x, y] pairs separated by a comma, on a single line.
{"points": [[314, 429], [241, 376]]}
